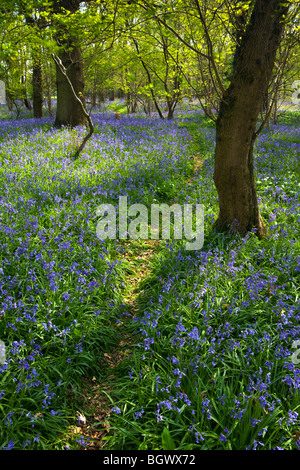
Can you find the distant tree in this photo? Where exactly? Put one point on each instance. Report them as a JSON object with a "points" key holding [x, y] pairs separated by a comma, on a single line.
{"points": [[37, 74]]}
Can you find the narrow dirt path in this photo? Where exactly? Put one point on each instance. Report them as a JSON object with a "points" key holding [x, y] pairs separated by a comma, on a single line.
{"points": [[93, 422]]}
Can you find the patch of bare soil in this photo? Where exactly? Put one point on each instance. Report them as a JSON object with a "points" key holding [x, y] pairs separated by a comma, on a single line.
{"points": [[198, 162]]}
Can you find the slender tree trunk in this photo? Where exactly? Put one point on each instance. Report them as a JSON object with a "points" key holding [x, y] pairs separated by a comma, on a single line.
{"points": [[275, 108], [9, 100], [37, 89], [25, 99], [128, 101], [48, 87], [100, 95], [37, 80], [94, 95], [149, 80], [111, 95], [238, 116], [48, 93]]}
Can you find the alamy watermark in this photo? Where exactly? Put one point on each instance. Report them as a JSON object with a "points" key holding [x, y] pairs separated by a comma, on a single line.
{"points": [[2, 93], [2, 353], [186, 223], [295, 355]]}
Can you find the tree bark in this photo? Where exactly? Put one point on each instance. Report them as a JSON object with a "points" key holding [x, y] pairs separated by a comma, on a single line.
{"points": [[37, 81], [37, 89], [69, 111], [238, 116], [170, 108], [81, 103], [25, 99], [48, 94]]}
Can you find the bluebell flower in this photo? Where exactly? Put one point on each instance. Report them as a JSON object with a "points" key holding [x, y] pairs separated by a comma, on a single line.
{"points": [[116, 410], [9, 446]]}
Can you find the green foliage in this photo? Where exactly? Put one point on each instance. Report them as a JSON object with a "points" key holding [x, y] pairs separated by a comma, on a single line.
{"points": [[167, 441]]}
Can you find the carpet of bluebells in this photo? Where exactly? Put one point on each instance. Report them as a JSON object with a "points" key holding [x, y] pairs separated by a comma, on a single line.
{"points": [[213, 366]]}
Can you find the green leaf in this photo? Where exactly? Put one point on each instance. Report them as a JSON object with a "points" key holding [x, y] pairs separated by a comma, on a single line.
{"points": [[77, 333], [167, 441]]}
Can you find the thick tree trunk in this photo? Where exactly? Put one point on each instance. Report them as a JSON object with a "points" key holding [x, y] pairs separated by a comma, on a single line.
{"points": [[69, 111], [37, 89], [238, 116], [170, 115]]}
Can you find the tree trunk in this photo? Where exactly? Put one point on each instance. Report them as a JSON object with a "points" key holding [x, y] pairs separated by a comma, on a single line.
{"points": [[48, 87], [93, 98], [238, 116], [37, 89], [37, 82], [9, 100], [275, 110], [27, 104], [170, 108], [69, 112], [25, 99], [100, 95], [111, 95], [48, 93]]}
